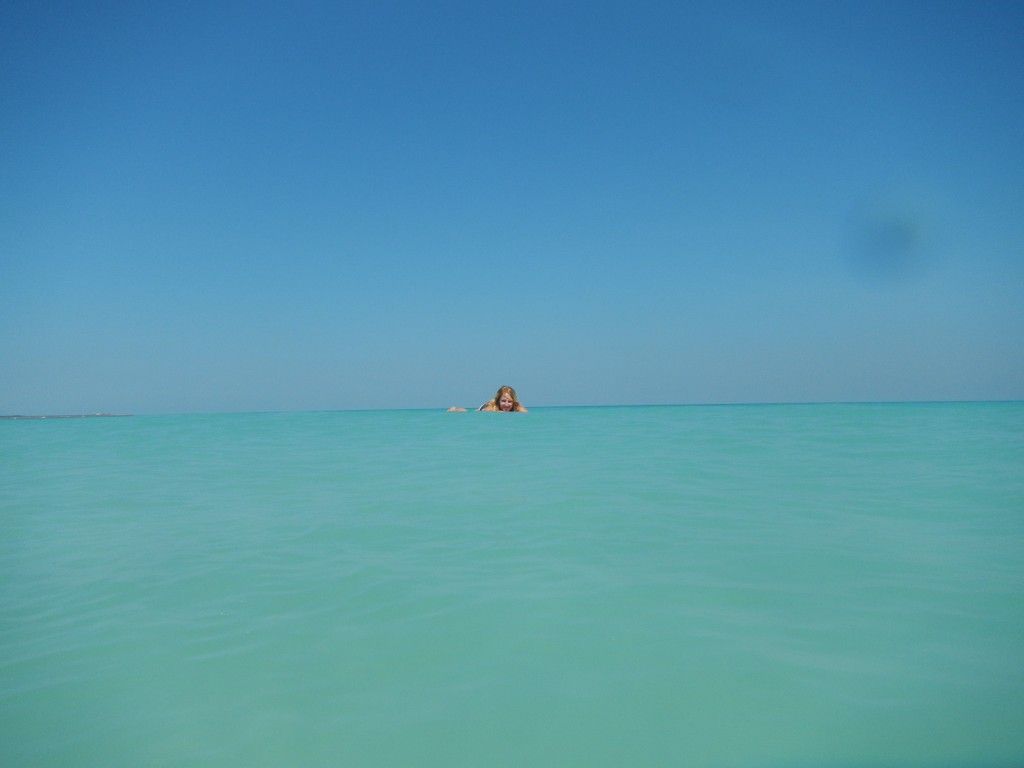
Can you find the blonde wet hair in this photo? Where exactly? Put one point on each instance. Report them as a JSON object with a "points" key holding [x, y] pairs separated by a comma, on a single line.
{"points": [[493, 404]]}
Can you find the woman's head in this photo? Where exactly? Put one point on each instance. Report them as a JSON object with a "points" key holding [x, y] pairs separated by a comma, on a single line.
{"points": [[505, 399]]}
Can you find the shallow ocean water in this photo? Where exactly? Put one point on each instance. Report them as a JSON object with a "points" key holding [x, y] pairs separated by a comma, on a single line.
{"points": [[792, 585]]}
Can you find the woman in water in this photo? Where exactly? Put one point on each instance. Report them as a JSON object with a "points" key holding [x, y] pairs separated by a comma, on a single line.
{"points": [[505, 401]]}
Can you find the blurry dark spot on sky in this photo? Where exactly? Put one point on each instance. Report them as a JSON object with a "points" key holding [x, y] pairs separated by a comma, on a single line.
{"points": [[885, 245]]}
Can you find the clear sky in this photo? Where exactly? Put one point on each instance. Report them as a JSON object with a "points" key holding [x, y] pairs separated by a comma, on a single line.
{"points": [[238, 206]]}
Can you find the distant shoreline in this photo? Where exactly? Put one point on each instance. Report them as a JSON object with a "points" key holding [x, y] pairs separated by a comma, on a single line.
{"points": [[72, 416]]}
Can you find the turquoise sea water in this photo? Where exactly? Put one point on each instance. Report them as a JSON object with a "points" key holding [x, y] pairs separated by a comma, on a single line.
{"points": [[819, 585]]}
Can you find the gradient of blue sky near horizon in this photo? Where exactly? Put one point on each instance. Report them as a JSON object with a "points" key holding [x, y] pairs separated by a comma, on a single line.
{"points": [[265, 206]]}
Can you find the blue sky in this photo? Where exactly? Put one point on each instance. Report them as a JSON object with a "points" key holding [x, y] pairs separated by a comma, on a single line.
{"points": [[290, 206]]}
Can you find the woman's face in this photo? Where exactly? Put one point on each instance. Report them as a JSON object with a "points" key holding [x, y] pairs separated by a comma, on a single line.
{"points": [[505, 402]]}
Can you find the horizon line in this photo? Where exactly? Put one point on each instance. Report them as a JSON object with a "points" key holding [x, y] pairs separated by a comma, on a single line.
{"points": [[443, 409]]}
